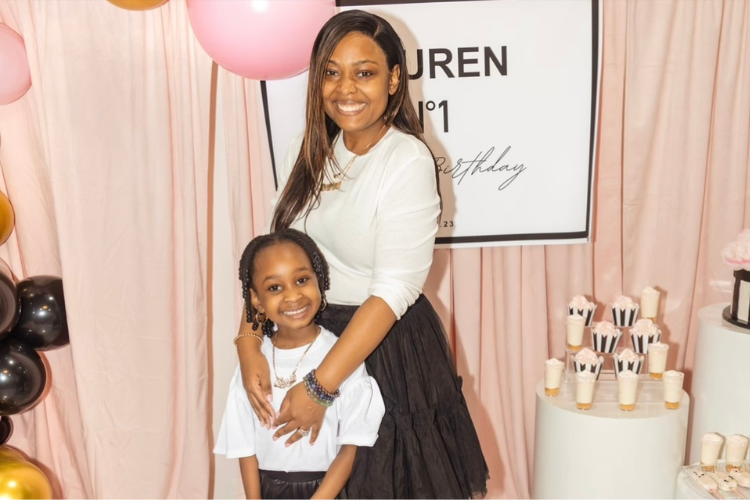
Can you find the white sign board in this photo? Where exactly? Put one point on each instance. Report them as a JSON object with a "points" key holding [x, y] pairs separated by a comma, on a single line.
{"points": [[508, 94]]}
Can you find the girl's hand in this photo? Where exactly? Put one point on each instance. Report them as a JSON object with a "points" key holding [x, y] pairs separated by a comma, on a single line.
{"points": [[256, 377], [298, 411]]}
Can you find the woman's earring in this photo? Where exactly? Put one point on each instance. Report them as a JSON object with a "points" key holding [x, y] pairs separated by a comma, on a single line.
{"points": [[323, 304]]}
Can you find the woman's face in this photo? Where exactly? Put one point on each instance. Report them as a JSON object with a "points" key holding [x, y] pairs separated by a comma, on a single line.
{"points": [[357, 86]]}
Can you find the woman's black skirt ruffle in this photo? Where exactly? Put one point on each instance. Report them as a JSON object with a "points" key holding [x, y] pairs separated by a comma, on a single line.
{"points": [[427, 445]]}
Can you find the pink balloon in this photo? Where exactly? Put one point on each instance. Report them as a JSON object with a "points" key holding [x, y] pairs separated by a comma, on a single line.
{"points": [[15, 78], [259, 39]]}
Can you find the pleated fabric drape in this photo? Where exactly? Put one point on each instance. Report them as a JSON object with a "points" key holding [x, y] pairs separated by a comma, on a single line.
{"points": [[106, 163]]}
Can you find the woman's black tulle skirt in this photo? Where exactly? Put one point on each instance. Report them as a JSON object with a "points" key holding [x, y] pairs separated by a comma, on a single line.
{"points": [[427, 446]]}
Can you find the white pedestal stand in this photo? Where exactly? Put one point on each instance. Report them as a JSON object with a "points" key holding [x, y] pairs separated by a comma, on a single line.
{"points": [[605, 452]]}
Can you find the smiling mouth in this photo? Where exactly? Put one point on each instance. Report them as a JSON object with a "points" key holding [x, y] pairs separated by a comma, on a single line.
{"points": [[296, 312], [350, 107]]}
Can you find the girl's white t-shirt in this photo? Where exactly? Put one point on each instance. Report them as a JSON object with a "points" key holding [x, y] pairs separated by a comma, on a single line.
{"points": [[354, 418], [378, 231]]}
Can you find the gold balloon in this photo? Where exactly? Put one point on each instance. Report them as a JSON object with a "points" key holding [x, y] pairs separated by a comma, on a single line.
{"points": [[7, 218], [8, 453], [138, 4], [21, 479]]}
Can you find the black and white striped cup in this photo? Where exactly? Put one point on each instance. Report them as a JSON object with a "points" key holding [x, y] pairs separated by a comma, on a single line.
{"points": [[633, 366], [595, 369], [625, 317], [605, 343]]}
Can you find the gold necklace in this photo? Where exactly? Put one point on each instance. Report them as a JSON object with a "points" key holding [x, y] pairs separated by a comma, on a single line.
{"points": [[338, 178], [286, 382]]}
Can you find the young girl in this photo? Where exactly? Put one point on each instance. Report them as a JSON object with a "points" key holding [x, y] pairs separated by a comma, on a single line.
{"points": [[284, 278]]}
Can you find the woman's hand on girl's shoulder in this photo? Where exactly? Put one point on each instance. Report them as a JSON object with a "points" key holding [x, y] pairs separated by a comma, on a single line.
{"points": [[298, 411]]}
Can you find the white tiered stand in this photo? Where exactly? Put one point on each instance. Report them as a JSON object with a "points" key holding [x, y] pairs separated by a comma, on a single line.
{"points": [[721, 378], [605, 452]]}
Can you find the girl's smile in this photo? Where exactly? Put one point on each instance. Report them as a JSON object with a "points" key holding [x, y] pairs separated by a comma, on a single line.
{"points": [[297, 312]]}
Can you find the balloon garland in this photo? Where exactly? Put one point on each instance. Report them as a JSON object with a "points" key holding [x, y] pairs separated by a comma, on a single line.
{"points": [[32, 317], [15, 76], [42, 323], [7, 218], [6, 429], [21, 479], [32, 312], [138, 4]]}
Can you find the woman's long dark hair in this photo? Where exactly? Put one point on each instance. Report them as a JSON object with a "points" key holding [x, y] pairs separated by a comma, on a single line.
{"points": [[302, 191]]}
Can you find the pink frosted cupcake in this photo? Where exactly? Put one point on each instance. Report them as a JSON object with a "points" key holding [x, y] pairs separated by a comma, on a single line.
{"points": [[643, 333], [581, 305], [605, 337], [628, 360], [587, 360], [624, 311]]}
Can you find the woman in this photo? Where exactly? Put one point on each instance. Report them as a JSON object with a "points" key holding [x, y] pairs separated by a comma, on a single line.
{"points": [[362, 183]]}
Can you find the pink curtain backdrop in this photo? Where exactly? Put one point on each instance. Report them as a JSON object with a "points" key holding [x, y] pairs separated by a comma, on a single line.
{"points": [[107, 161]]}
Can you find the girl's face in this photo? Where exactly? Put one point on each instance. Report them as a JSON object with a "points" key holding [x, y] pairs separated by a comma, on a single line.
{"points": [[357, 86], [286, 288]]}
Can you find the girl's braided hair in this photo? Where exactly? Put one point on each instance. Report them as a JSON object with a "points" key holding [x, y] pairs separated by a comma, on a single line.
{"points": [[247, 269]]}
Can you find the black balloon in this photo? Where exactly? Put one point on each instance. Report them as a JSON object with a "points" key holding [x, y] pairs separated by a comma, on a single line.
{"points": [[10, 307], [6, 429], [22, 376], [42, 323]]}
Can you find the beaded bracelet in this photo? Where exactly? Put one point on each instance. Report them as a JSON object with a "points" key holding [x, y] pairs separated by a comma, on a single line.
{"points": [[317, 392], [247, 334]]}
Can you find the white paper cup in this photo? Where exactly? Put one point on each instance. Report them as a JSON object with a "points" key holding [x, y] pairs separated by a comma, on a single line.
{"points": [[627, 390], [657, 359], [736, 451], [649, 303], [553, 370], [672, 389], [575, 324], [710, 450], [585, 384]]}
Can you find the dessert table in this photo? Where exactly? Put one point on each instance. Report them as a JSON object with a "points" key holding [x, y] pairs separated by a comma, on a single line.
{"points": [[605, 452], [720, 378]]}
